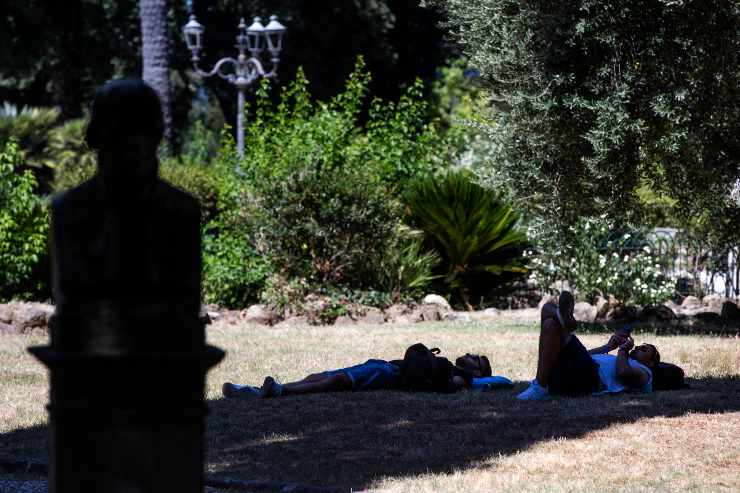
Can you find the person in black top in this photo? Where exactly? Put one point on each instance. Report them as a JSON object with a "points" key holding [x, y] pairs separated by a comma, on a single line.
{"points": [[374, 374]]}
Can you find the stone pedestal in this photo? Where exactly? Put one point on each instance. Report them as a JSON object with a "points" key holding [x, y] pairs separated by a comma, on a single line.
{"points": [[127, 423]]}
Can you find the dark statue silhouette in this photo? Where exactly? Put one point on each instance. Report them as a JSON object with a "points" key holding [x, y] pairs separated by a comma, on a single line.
{"points": [[127, 355]]}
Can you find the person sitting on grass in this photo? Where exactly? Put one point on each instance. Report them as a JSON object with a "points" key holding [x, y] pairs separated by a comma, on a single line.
{"points": [[374, 374], [565, 367]]}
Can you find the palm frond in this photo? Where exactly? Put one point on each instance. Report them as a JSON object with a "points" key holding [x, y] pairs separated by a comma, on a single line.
{"points": [[467, 225]]}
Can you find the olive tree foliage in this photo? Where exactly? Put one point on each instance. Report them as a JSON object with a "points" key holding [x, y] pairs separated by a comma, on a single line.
{"points": [[597, 98]]}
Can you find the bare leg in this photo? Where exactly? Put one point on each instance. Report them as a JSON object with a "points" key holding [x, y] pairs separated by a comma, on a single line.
{"points": [[551, 341], [313, 377], [326, 383]]}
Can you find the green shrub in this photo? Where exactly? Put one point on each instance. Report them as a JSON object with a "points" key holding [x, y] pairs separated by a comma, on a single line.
{"points": [[293, 297], [24, 225], [203, 182], [331, 228], [394, 144], [407, 268], [30, 127], [600, 262], [476, 235], [233, 272], [67, 153], [201, 143], [317, 190], [284, 294]]}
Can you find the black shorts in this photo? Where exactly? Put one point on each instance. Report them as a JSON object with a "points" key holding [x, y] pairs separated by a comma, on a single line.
{"points": [[574, 373]]}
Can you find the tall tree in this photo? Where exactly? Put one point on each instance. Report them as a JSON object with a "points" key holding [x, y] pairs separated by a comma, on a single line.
{"points": [[56, 52], [596, 98], [155, 52]]}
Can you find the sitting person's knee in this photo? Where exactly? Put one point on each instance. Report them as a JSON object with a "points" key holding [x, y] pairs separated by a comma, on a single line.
{"points": [[551, 329]]}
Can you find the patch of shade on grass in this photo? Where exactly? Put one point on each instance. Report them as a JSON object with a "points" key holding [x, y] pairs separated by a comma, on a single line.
{"points": [[666, 441]]}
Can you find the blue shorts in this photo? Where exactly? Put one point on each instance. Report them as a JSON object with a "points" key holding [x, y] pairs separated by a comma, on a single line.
{"points": [[374, 374]]}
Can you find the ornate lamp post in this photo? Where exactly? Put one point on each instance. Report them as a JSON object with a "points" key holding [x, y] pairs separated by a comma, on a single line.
{"points": [[245, 70]]}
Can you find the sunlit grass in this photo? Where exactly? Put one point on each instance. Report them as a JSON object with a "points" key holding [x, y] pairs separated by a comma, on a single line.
{"points": [[669, 441]]}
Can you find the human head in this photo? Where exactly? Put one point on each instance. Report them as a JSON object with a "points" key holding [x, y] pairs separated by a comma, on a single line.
{"points": [[126, 126], [478, 365], [647, 354]]}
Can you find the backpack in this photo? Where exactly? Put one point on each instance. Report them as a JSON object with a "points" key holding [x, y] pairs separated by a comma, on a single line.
{"points": [[422, 370], [667, 376]]}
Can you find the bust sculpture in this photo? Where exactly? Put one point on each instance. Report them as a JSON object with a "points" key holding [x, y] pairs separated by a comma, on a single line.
{"points": [[126, 245]]}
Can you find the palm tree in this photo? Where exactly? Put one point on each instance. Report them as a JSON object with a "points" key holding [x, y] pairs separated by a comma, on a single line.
{"points": [[155, 51], [474, 233]]}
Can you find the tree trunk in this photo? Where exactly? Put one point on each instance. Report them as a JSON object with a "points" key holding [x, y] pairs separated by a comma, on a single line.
{"points": [[155, 51]]}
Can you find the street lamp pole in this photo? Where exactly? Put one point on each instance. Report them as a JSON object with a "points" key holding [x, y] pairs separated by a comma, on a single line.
{"points": [[244, 69]]}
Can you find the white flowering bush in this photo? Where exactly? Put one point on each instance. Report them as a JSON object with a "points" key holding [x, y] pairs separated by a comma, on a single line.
{"points": [[598, 262]]}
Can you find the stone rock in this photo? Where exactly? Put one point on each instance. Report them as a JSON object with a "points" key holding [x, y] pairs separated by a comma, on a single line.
{"points": [[657, 313], [231, 317], [694, 311], [345, 320], [372, 315], [584, 312], [394, 312], [491, 312], [402, 320], [7, 313], [8, 328], [675, 307], [714, 302], [32, 315], [691, 303], [458, 317], [730, 311], [427, 313], [435, 299], [622, 313], [259, 314], [602, 307], [355, 311]]}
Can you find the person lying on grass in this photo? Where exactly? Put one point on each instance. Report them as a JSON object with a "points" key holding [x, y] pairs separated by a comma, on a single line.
{"points": [[374, 374], [565, 367]]}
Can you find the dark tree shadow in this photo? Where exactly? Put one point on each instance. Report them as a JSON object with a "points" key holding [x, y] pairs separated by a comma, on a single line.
{"points": [[348, 440]]}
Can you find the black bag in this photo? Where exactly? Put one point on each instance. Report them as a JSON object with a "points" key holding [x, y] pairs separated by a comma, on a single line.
{"points": [[667, 376], [422, 370]]}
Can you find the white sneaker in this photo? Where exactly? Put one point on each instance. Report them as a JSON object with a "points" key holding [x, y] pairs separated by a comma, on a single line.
{"points": [[535, 392]]}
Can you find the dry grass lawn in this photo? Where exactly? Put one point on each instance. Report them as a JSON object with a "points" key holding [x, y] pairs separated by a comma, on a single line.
{"points": [[392, 441]]}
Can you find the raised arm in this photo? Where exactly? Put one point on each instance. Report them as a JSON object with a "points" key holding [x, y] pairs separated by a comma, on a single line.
{"points": [[627, 373], [614, 342]]}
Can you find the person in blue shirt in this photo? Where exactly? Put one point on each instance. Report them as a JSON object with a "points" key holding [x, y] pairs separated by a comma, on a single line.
{"points": [[374, 374]]}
